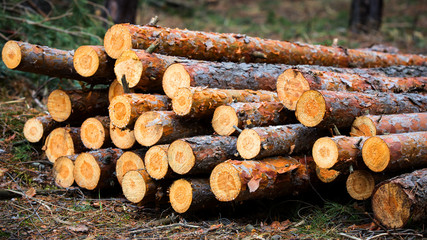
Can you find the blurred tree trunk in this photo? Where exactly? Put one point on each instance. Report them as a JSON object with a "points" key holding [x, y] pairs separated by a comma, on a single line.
{"points": [[365, 15], [122, 11]]}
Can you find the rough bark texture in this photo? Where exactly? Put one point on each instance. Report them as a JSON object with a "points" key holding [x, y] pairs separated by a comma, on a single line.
{"points": [[263, 142], [36, 129], [327, 108], [372, 125], [93, 61], [95, 132], [241, 48], [399, 200], [395, 152], [63, 141]]}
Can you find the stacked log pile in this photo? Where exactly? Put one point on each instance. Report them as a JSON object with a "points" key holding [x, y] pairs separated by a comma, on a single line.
{"points": [[226, 117]]}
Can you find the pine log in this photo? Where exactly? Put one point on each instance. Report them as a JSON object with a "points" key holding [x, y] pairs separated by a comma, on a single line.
{"points": [[243, 180], [156, 163], [247, 115], [138, 186], [77, 105], [199, 102], [395, 152], [36, 129], [360, 184], [190, 195], [62, 171], [125, 109], [327, 108], [95, 132], [26, 57], [129, 161], [93, 61], [63, 141], [372, 125], [327, 175], [116, 89], [157, 127], [122, 138], [95, 169], [294, 82], [199, 155], [241, 48], [401, 200], [261, 142]]}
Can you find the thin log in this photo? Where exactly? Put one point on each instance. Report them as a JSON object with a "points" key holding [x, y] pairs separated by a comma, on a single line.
{"points": [[138, 186], [62, 171], [63, 141], [129, 161], [122, 138], [156, 163], [93, 61], [36, 129], [360, 184], [95, 132], [327, 108], [116, 89]]}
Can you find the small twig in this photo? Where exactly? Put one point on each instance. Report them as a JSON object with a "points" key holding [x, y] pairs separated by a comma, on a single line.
{"points": [[13, 101], [153, 46], [153, 21], [349, 236], [399, 234], [125, 84], [237, 129], [381, 226], [162, 227], [336, 131]]}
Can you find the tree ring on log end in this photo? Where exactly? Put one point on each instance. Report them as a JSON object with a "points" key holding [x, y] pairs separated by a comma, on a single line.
{"points": [[363, 126], [63, 172], [86, 171], [291, 84], [120, 111], [248, 144], [128, 161], [181, 157], [225, 182], [376, 154], [181, 195], [129, 65], [327, 175], [59, 105], [182, 101], [59, 143], [325, 152], [224, 119], [115, 89], [122, 138], [175, 77], [92, 133], [117, 40], [11, 54], [134, 186], [360, 184], [156, 162], [33, 130], [148, 130], [86, 61], [311, 108]]}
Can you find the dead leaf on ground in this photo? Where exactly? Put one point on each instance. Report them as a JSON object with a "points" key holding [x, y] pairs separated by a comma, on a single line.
{"points": [[30, 192], [3, 171], [78, 228]]}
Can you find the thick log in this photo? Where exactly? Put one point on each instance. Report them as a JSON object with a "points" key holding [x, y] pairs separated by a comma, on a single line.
{"points": [[36, 129], [199, 102], [156, 163], [360, 184], [26, 57], [395, 152], [122, 138], [129, 161], [372, 125], [62, 171], [126, 108], [241, 48], [95, 169], [261, 142], [327, 108], [399, 200], [191, 195], [199, 155], [294, 82], [93, 61], [63, 141], [137, 186], [77, 105], [157, 127], [95, 132], [243, 180]]}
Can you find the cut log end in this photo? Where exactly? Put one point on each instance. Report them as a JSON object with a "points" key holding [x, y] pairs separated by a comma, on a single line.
{"points": [[122, 138], [391, 205], [59, 105], [175, 77], [291, 84], [148, 130], [117, 40], [156, 161], [311, 108], [376, 154], [11, 54], [182, 101], [325, 152], [224, 120], [128, 161], [248, 144], [129, 65], [63, 172], [86, 171], [134, 186], [115, 89], [225, 182], [181, 195], [327, 175], [120, 111], [360, 184], [59, 143], [33, 130], [363, 126], [92, 133], [181, 157], [86, 61]]}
